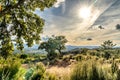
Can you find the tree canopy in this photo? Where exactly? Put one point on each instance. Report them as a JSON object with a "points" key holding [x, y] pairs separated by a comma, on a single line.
{"points": [[17, 18], [53, 44], [107, 45], [118, 27]]}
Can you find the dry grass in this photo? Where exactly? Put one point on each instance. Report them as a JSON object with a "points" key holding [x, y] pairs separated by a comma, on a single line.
{"points": [[63, 73]]}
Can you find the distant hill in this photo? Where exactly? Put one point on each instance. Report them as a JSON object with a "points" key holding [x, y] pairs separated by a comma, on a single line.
{"points": [[70, 47], [34, 49]]}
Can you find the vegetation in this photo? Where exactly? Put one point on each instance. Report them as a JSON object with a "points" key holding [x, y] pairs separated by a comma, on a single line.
{"points": [[118, 27], [86, 64], [19, 24], [107, 45], [23, 23], [53, 46]]}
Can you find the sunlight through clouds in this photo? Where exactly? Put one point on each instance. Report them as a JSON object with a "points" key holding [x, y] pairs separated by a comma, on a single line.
{"points": [[67, 18]]}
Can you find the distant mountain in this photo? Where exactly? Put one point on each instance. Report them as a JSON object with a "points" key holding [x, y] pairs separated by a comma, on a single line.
{"points": [[70, 47], [34, 49]]}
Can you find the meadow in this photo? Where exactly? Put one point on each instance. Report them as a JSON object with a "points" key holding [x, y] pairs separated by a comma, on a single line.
{"points": [[85, 64]]}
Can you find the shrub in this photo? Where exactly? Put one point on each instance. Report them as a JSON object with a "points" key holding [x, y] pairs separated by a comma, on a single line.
{"points": [[37, 73], [84, 50], [23, 56], [80, 72], [114, 67], [87, 71], [118, 75], [96, 74], [51, 76], [78, 57], [8, 69], [107, 55]]}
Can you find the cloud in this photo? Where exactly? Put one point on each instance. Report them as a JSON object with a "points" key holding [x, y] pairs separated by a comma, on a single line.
{"points": [[63, 19], [58, 3]]}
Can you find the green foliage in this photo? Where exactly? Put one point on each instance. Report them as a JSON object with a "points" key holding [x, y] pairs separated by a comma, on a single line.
{"points": [[53, 46], [9, 69], [84, 50], [79, 72], [87, 71], [118, 75], [107, 55], [51, 76], [95, 74], [36, 73], [107, 45], [23, 56], [117, 27], [29, 73], [17, 18], [78, 57], [114, 67]]}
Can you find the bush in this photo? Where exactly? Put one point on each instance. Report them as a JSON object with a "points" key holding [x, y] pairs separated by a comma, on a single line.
{"points": [[51, 76], [107, 55], [40, 73], [80, 72], [95, 74], [84, 50], [87, 71], [78, 57], [8, 69], [118, 75], [114, 67], [23, 56], [36, 73]]}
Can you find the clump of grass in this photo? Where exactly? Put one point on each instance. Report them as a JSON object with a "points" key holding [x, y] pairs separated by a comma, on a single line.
{"points": [[118, 75], [87, 70], [9, 68], [80, 72]]}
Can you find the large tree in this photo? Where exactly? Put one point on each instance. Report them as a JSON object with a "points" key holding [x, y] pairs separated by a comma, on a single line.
{"points": [[17, 18], [53, 45]]}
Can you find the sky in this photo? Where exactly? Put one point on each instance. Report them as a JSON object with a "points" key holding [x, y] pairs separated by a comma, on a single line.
{"points": [[83, 22]]}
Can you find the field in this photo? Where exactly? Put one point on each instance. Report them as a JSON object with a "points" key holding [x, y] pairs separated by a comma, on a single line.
{"points": [[79, 64]]}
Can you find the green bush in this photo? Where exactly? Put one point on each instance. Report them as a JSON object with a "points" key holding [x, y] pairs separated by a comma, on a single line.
{"points": [[84, 50], [114, 67], [8, 69], [96, 74], [40, 73], [87, 70], [23, 56], [51, 76], [107, 55], [80, 72], [118, 75]]}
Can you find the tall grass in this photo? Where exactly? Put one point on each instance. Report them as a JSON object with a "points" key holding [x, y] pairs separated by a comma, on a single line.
{"points": [[92, 70], [9, 69]]}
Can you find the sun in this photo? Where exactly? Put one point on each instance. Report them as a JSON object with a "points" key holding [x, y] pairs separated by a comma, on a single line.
{"points": [[85, 12]]}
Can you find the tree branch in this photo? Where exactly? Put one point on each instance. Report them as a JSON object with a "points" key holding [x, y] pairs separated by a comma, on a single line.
{"points": [[9, 7]]}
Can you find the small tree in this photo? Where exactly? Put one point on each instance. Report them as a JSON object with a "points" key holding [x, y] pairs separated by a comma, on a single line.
{"points": [[53, 44], [118, 26], [107, 45]]}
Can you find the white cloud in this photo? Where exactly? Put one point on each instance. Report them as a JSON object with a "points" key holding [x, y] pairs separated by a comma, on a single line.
{"points": [[77, 30], [58, 3]]}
